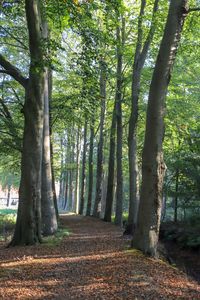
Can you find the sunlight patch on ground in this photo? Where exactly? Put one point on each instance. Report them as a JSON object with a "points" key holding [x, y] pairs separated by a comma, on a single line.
{"points": [[64, 213], [30, 260]]}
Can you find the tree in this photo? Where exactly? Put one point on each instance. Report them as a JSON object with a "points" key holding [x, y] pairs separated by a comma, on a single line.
{"points": [[49, 219], [153, 167], [51, 145], [116, 127], [111, 165], [140, 56], [82, 198], [97, 70], [120, 38], [28, 226], [99, 174], [78, 150], [90, 167]]}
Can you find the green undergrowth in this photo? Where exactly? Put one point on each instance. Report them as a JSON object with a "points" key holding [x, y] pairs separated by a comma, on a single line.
{"points": [[7, 211], [186, 235], [125, 217], [7, 223], [56, 239]]}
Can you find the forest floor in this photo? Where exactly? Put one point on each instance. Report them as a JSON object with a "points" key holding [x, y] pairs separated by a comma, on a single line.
{"points": [[93, 262]]}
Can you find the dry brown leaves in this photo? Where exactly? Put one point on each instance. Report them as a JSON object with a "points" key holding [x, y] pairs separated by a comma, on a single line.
{"points": [[92, 263]]}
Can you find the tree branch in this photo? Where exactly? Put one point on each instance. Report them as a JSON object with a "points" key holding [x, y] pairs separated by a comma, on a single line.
{"points": [[150, 34], [12, 45], [5, 110], [14, 37], [193, 9], [12, 71], [17, 96]]}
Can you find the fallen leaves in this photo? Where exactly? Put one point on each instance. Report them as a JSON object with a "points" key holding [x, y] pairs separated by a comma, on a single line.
{"points": [[93, 262]]}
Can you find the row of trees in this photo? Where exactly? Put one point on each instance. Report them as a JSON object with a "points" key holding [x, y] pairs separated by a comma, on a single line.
{"points": [[102, 54]]}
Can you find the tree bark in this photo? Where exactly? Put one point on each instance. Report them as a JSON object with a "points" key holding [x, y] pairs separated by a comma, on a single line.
{"points": [[71, 171], [111, 166], [65, 204], [8, 195], [49, 219], [78, 150], [153, 167], [62, 175], [103, 197], [28, 225], [139, 60], [70, 199], [118, 99], [99, 174], [82, 200], [164, 206], [51, 146], [66, 153], [90, 165], [53, 181]]}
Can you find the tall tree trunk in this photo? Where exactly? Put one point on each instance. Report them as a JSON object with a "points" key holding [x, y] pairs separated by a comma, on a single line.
{"points": [[90, 163], [62, 175], [65, 204], [49, 219], [28, 225], [164, 207], [119, 190], [8, 195], [53, 180], [66, 174], [111, 166], [99, 174], [71, 171], [103, 196], [51, 147], [82, 200], [153, 167], [78, 151], [70, 190], [139, 60]]}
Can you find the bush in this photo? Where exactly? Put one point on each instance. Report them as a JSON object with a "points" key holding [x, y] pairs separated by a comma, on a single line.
{"points": [[185, 235], [7, 224]]}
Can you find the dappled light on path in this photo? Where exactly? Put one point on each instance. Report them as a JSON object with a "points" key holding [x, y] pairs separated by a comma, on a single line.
{"points": [[93, 262]]}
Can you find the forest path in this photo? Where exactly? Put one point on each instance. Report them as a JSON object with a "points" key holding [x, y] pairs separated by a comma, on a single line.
{"points": [[93, 262]]}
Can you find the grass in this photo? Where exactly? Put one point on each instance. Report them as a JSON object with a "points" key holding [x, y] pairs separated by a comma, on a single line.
{"points": [[7, 211], [56, 239], [133, 251]]}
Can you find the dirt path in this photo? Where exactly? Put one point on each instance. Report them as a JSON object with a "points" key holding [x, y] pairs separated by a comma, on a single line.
{"points": [[92, 263]]}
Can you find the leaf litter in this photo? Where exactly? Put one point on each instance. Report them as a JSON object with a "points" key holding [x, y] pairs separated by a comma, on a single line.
{"points": [[92, 262]]}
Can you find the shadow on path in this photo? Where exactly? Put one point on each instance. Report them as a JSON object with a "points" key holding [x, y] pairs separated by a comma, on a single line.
{"points": [[93, 262]]}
